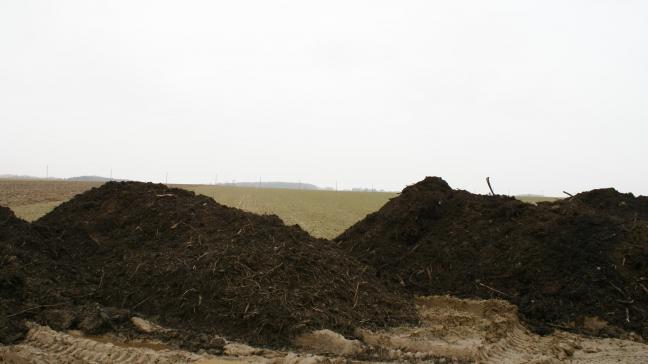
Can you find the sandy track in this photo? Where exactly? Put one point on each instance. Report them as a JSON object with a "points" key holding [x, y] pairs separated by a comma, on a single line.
{"points": [[44, 345], [489, 331], [452, 330]]}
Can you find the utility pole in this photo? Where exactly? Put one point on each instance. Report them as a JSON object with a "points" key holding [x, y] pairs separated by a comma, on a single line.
{"points": [[259, 181], [166, 178]]}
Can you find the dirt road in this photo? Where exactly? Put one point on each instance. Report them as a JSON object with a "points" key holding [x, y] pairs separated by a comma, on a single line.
{"points": [[451, 330]]}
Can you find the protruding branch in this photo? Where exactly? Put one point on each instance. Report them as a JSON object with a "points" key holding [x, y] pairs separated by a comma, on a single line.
{"points": [[489, 186]]}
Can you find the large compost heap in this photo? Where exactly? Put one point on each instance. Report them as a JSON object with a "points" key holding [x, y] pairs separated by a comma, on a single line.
{"points": [[187, 262], [561, 263], [20, 252]]}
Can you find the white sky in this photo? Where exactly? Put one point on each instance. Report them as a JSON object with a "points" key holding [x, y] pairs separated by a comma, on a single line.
{"points": [[542, 96]]}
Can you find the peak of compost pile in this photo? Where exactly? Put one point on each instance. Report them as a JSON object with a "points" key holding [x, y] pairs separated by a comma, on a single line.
{"points": [[561, 262], [189, 262]]}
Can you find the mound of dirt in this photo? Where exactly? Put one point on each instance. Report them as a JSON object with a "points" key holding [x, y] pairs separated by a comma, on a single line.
{"points": [[563, 264], [35, 284], [21, 268], [188, 262]]}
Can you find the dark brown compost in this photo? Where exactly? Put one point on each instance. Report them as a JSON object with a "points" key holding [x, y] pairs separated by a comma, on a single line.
{"points": [[560, 262]]}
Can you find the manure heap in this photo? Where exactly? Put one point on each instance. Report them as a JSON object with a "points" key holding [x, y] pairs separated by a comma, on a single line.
{"points": [[186, 262], [571, 264]]}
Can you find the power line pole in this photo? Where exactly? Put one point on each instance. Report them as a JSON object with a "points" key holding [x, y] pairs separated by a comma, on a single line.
{"points": [[166, 178]]}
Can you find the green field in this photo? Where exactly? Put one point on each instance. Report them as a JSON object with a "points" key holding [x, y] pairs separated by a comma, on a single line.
{"points": [[536, 199], [324, 214], [33, 211]]}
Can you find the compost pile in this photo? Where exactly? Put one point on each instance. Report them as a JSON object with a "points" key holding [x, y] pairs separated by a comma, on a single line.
{"points": [[561, 263], [190, 263], [14, 233]]}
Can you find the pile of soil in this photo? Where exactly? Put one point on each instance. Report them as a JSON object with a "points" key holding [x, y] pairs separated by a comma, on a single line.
{"points": [[37, 284], [11, 281], [190, 263], [24, 269], [561, 263]]}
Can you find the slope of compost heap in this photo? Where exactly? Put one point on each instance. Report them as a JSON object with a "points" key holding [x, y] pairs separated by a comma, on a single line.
{"points": [[570, 264], [188, 262]]}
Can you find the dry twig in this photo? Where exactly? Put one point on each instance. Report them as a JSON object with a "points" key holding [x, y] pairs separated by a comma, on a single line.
{"points": [[33, 308], [489, 186], [493, 289], [355, 296]]}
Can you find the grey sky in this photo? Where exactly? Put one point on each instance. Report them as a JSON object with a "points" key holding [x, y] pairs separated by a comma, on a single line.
{"points": [[542, 96]]}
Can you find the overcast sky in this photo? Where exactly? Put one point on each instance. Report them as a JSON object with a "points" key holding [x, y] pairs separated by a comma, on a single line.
{"points": [[542, 96]]}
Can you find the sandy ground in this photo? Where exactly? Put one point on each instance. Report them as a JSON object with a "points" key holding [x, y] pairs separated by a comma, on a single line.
{"points": [[452, 330]]}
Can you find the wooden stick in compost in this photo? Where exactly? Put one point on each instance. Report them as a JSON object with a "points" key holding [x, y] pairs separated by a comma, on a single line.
{"points": [[489, 186]]}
